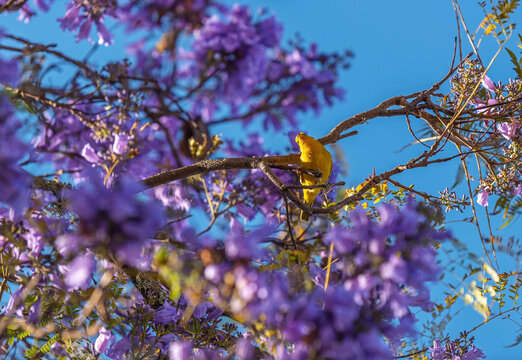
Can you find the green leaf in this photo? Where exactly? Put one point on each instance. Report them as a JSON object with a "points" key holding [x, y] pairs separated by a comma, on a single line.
{"points": [[517, 66], [459, 176]]}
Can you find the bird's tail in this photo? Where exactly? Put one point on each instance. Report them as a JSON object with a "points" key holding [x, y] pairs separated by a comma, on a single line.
{"points": [[308, 200]]}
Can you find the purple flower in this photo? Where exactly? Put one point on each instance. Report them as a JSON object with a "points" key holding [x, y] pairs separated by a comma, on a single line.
{"points": [[455, 350], [84, 31], [394, 269], [58, 349], [488, 84], [35, 312], [67, 244], [42, 4], [437, 352], [77, 274], [120, 143], [245, 211], [15, 300], [245, 349], [240, 47], [117, 350], [103, 340], [167, 314], [119, 219], [507, 130], [9, 71], [485, 107], [201, 309], [104, 37], [34, 242], [90, 154], [270, 31], [517, 190], [180, 350], [482, 198], [14, 181], [240, 246], [174, 195], [80, 16], [473, 353]]}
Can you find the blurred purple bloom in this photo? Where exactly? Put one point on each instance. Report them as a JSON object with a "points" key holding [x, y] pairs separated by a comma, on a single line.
{"points": [[507, 130], [180, 350], [67, 244], [482, 198], [117, 350], [84, 30], [120, 143], [473, 353], [167, 314], [270, 31], [245, 211], [117, 219], [77, 274], [437, 352], [247, 41], [35, 312], [15, 300], [317, 274], [58, 349], [173, 194], [517, 190], [90, 154], [14, 182], [394, 269], [344, 243], [488, 83], [42, 4], [9, 71], [80, 15], [104, 37], [103, 340], [454, 350], [240, 246], [214, 273], [201, 309], [245, 350], [34, 242]]}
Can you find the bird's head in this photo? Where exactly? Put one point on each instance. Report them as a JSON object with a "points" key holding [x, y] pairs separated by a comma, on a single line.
{"points": [[301, 137]]}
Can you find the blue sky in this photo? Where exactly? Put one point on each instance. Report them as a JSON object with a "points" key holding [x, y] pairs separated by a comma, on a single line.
{"points": [[400, 47]]}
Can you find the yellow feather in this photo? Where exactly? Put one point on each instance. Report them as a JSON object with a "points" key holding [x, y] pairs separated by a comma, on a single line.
{"points": [[314, 156]]}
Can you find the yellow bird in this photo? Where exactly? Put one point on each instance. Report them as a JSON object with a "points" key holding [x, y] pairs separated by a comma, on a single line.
{"points": [[314, 156]]}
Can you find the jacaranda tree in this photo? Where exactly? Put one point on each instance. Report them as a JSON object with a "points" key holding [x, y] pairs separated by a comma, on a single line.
{"points": [[130, 228]]}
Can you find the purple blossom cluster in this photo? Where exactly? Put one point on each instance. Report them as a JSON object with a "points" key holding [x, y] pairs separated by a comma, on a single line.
{"points": [[508, 130], [182, 15], [25, 246], [14, 181], [72, 143], [455, 350], [117, 221], [136, 312], [385, 265], [238, 47], [382, 271], [25, 11], [498, 122], [80, 16], [245, 57]]}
